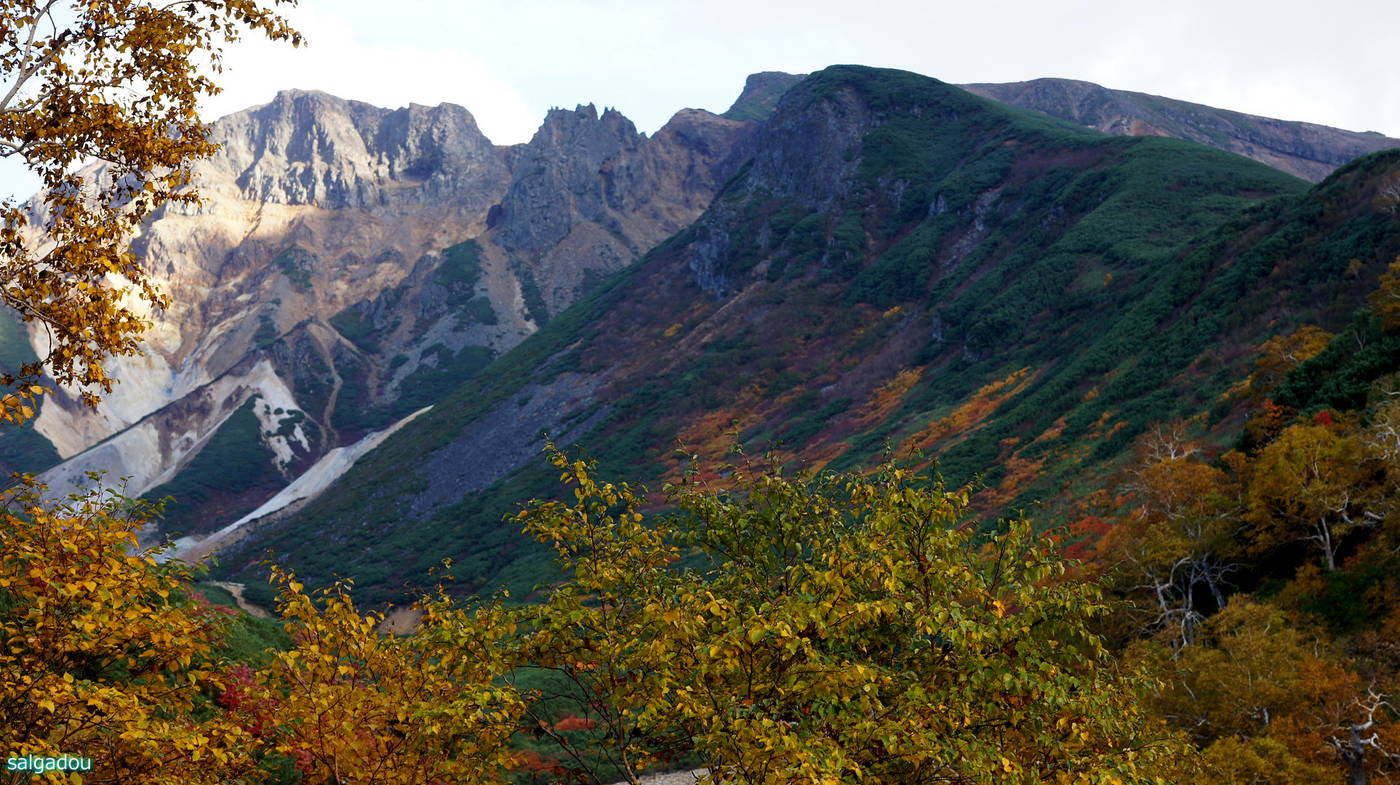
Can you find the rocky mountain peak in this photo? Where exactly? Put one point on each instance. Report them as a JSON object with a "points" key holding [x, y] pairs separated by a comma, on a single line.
{"points": [[557, 175], [308, 147], [582, 130]]}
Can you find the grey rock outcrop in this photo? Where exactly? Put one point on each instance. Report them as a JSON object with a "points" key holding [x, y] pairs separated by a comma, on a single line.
{"points": [[589, 194], [310, 148]]}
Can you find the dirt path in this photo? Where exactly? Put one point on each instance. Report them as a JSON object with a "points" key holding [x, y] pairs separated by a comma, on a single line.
{"points": [[236, 589], [672, 778]]}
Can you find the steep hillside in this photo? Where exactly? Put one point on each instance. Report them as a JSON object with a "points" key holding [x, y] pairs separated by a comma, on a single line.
{"points": [[351, 265], [1307, 150], [761, 94], [900, 263]]}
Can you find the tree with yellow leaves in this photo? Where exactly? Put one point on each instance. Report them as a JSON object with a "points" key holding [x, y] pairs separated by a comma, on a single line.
{"points": [[1385, 301], [102, 653], [1312, 484], [1270, 703], [828, 629], [349, 703], [98, 98]]}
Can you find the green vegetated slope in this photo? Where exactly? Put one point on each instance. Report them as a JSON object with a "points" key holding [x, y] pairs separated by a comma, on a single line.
{"points": [[234, 473], [761, 94], [22, 448], [1308, 150], [402, 316], [903, 264]]}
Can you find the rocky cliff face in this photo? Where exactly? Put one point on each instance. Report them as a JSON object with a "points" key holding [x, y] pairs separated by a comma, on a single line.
{"points": [[310, 148], [350, 265], [1306, 150], [590, 195]]}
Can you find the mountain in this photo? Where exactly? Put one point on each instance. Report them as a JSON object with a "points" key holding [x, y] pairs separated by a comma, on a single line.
{"points": [[1307, 150], [761, 94], [349, 266], [899, 263], [844, 260]]}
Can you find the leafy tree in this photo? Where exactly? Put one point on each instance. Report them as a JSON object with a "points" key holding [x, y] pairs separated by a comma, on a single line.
{"points": [[1260, 760], [1311, 484], [829, 629], [1175, 547], [1270, 702], [1245, 673], [1385, 300], [102, 654], [1279, 355], [115, 84], [351, 704]]}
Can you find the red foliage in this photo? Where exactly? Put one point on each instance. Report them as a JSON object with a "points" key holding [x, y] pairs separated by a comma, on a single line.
{"points": [[570, 722], [531, 761], [239, 697], [302, 759], [1088, 534]]}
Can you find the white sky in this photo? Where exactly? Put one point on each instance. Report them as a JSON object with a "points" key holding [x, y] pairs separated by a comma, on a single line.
{"points": [[508, 61]]}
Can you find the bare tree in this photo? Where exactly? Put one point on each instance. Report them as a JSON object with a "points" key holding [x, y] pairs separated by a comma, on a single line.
{"points": [[1360, 739]]}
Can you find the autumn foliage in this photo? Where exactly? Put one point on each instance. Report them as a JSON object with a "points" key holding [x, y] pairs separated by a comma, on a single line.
{"points": [[1259, 584], [104, 652], [830, 629], [98, 99]]}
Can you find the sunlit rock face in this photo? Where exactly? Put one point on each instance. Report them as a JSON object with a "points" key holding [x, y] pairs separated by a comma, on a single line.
{"points": [[351, 264]]}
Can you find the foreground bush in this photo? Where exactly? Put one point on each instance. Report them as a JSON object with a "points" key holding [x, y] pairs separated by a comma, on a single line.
{"points": [[103, 653], [822, 630], [813, 630]]}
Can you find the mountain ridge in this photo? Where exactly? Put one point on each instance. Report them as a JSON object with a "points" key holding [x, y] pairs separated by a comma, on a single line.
{"points": [[985, 287], [1308, 150], [345, 269], [329, 289]]}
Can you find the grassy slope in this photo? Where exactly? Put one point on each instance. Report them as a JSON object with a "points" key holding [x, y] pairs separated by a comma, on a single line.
{"points": [[233, 474], [1101, 293]]}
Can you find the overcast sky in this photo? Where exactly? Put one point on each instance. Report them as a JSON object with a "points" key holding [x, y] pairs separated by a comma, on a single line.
{"points": [[508, 61]]}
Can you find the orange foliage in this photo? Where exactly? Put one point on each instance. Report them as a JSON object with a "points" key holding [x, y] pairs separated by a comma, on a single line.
{"points": [[1266, 423], [571, 722], [1385, 301], [884, 399], [1088, 533], [531, 761], [876, 409], [1019, 472], [1281, 354], [710, 435], [968, 416], [1053, 432]]}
